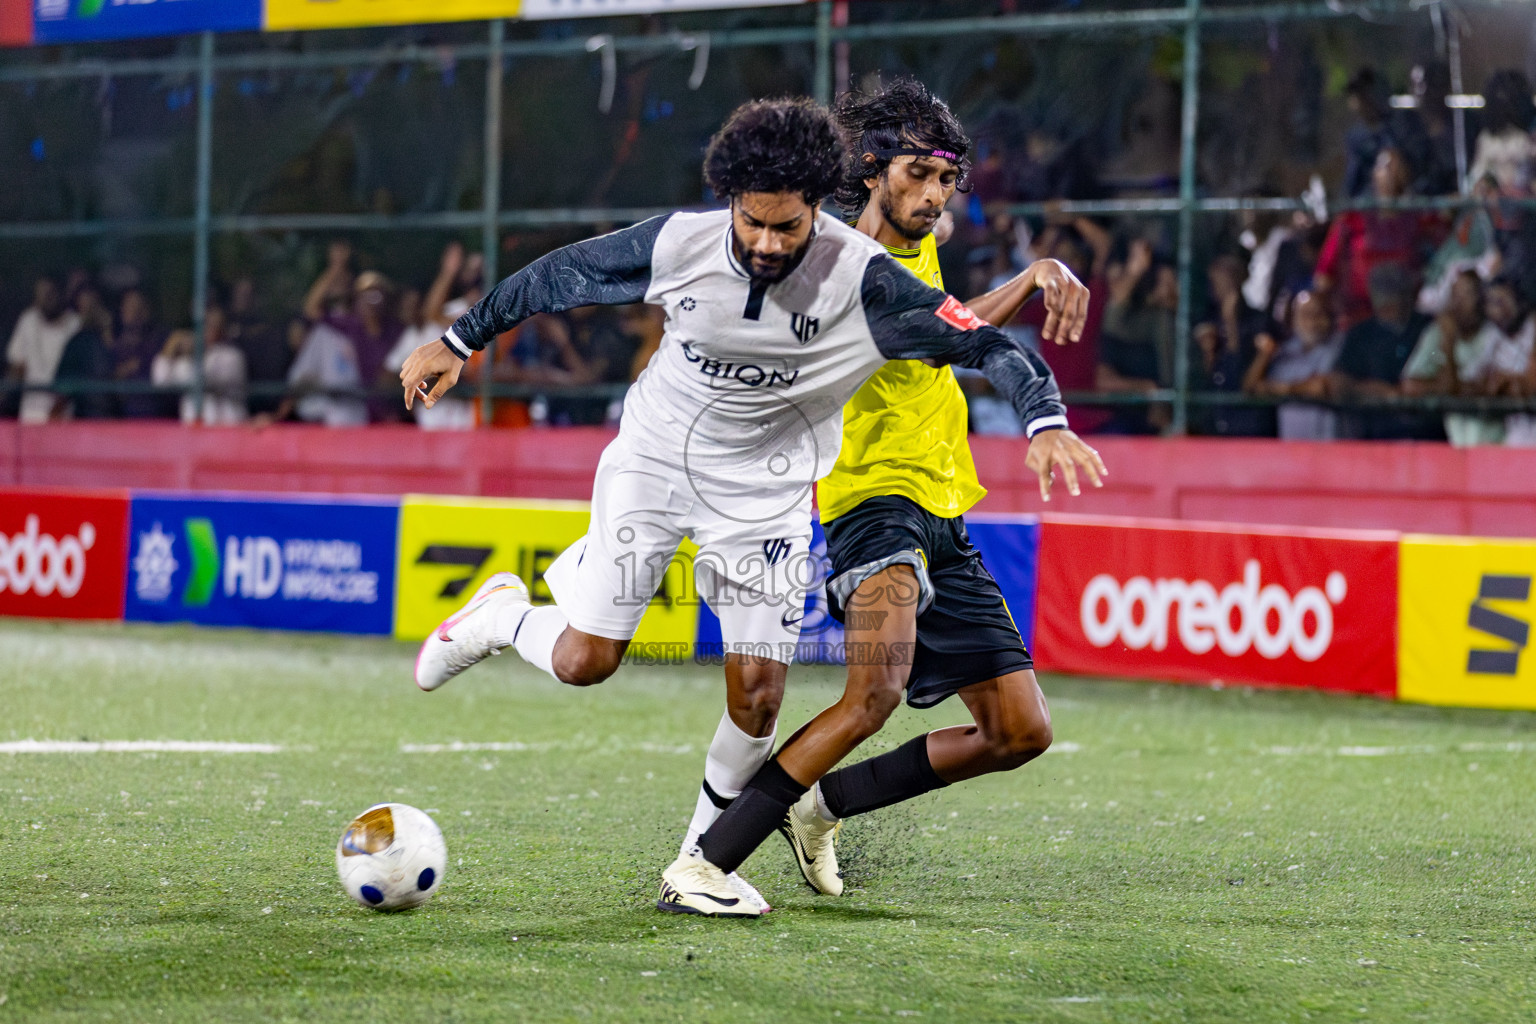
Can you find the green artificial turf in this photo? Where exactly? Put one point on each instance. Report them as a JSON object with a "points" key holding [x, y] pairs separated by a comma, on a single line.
{"points": [[1181, 855]]}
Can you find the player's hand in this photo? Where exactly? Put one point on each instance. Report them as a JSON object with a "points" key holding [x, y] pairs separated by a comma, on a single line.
{"points": [[1053, 449], [434, 359], [1066, 301]]}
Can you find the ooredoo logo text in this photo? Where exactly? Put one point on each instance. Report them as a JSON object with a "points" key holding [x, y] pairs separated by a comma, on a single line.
{"points": [[33, 562], [1244, 615]]}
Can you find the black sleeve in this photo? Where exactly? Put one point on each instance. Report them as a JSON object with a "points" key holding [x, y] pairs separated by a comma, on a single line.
{"points": [[611, 270], [910, 320]]}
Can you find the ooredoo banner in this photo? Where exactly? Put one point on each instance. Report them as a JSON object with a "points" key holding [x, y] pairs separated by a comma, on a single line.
{"points": [[62, 553], [326, 564], [1171, 600], [1465, 619]]}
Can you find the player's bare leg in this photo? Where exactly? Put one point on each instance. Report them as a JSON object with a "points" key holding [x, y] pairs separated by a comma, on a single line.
{"points": [[1012, 728], [880, 634], [881, 630]]}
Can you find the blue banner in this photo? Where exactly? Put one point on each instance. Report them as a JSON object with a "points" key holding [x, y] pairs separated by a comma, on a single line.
{"points": [[327, 564], [74, 21], [1010, 548]]}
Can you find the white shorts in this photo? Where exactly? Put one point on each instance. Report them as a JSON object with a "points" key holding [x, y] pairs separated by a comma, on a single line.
{"points": [[753, 566]]}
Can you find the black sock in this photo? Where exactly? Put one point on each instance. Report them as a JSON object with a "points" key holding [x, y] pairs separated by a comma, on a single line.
{"points": [[751, 818], [890, 778]]}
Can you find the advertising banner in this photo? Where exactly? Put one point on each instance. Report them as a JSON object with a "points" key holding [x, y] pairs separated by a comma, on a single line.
{"points": [[326, 564], [63, 553], [74, 21], [1009, 546], [1465, 612], [536, 10], [1152, 599], [15, 22], [298, 14], [448, 546]]}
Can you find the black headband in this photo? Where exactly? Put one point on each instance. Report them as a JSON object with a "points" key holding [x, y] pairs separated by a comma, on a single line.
{"points": [[942, 154]]}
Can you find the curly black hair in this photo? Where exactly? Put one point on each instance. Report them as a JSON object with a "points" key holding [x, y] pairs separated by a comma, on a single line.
{"points": [[903, 114], [782, 145]]}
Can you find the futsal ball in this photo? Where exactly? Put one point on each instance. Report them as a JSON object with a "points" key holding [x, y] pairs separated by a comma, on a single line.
{"points": [[391, 857]]}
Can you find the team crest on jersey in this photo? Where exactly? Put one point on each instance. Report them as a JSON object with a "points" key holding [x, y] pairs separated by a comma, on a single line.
{"points": [[805, 327], [955, 313], [775, 549]]}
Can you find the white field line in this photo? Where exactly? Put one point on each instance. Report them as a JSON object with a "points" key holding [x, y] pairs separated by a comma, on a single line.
{"points": [[136, 747], [517, 746], [1464, 748]]}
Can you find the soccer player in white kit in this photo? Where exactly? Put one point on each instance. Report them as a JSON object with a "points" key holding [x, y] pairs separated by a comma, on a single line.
{"points": [[775, 314]]}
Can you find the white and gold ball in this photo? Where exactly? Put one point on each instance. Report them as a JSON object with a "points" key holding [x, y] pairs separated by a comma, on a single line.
{"points": [[391, 857]]}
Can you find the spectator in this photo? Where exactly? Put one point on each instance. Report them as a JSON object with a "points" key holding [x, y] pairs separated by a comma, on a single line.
{"points": [[1472, 244], [1504, 148], [224, 376], [37, 342], [137, 341], [87, 360], [1083, 246], [425, 319], [1362, 240], [1377, 127], [1374, 354], [266, 351], [320, 379], [1302, 369], [369, 324], [1227, 340], [1136, 347], [1511, 364], [1431, 86], [1451, 358]]}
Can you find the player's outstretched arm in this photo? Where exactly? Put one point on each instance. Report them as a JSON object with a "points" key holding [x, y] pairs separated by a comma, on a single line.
{"points": [[1066, 300], [611, 270], [909, 320]]}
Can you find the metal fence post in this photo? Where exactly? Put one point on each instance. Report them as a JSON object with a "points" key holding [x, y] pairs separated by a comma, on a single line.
{"points": [[1189, 129], [202, 219], [824, 51], [491, 200]]}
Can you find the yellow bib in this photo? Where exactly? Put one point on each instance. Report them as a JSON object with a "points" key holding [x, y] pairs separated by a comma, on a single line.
{"points": [[904, 431]]}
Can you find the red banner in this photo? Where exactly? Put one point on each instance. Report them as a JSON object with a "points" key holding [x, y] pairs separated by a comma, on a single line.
{"points": [[1154, 599], [15, 22], [63, 555]]}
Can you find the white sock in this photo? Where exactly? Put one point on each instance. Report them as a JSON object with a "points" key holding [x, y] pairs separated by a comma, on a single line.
{"points": [[533, 631], [821, 805], [734, 757]]}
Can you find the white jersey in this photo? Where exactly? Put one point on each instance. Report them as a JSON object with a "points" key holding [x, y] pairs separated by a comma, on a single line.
{"points": [[751, 377]]}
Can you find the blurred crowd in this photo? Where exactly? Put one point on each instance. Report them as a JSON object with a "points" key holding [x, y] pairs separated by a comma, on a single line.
{"points": [[1306, 325], [335, 362], [1328, 320]]}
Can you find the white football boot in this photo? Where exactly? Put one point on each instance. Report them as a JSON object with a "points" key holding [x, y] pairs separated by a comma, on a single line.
{"points": [[692, 885], [748, 892], [814, 838], [468, 636]]}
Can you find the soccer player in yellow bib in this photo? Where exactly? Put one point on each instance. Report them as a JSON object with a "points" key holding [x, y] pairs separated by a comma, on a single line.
{"points": [[922, 613]]}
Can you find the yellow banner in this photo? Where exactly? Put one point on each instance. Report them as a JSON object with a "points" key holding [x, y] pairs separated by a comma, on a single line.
{"points": [[448, 546], [1465, 607], [286, 14]]}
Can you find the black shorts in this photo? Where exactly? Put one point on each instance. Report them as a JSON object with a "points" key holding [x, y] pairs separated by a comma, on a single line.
{"points": [[965, 633]]}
